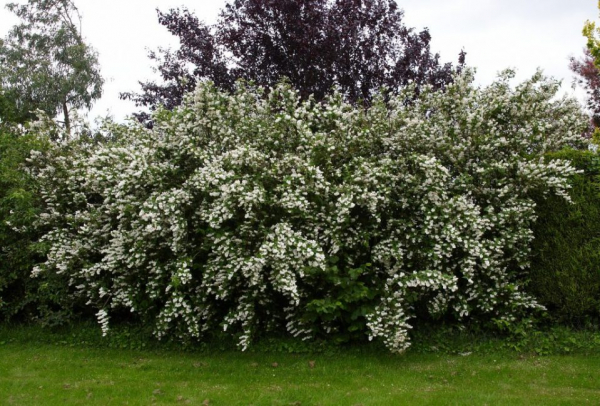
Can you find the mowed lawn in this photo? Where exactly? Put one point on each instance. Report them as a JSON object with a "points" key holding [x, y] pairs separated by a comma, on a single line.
{"points": [[45, 374]]}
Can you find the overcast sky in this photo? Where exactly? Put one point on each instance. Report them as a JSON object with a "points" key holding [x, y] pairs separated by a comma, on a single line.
{"points": [[496, 34]]}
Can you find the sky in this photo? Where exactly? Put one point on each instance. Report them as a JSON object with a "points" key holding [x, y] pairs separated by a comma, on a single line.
{"points": [[496, 34]]}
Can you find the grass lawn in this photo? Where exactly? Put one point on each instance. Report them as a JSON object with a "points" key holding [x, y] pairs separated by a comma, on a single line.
{"points": [[71, 368]]}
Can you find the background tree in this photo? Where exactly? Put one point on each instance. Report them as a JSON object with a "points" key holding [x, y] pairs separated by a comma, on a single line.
{"points": [[356, 45], [588, 77], [45, 63], [593, 43], [7, 108], [587, 70]]}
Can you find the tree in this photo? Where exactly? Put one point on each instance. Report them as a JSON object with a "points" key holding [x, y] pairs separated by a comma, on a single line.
{"points": [[587, 70], [7, 108], [356, 45], [588, 77], [593, 43], [45, 63]]}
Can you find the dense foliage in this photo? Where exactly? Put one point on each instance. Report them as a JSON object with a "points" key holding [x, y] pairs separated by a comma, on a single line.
{"points": [[21, 296], [258, 211], [590, 31], [357, 46], [16, 208], [566, 261], [588, 77], [45, 64]]}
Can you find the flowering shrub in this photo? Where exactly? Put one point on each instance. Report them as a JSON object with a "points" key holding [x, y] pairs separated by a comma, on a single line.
{"points": [[254, 211]]}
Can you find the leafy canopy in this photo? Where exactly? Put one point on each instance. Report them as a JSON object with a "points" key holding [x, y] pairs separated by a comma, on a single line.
{"points": [[358, 46], [45, 63], [593, 43], [588, 76]]}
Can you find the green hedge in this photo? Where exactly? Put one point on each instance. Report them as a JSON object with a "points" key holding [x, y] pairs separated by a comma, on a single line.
{"points": [[23, 297], [565, 273]]}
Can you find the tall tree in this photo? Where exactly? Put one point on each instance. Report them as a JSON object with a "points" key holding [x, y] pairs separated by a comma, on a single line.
{"points": [[590, 31], [45, 63], [588, 77], [587, 70], [356, 45]]}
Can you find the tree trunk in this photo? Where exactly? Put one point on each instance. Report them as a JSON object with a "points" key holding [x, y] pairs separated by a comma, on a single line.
{"points": [[67, 121]]}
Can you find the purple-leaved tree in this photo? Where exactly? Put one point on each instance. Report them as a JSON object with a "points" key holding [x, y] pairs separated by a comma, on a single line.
{"points": [[588, 77], [358, 46]]}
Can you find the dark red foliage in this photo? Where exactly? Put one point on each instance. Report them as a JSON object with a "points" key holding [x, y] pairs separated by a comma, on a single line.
{"points": [[588, 76], [355, 45]]}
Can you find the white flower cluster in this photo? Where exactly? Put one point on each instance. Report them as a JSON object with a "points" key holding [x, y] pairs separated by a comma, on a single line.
{"points": [[256, 211]]}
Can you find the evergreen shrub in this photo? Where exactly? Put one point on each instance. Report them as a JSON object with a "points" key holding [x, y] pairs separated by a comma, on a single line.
{"points": [[21, 297], [565, 272]]}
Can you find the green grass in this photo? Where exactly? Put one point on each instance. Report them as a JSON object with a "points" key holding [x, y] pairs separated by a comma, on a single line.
{"points": [[42, 370]]}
